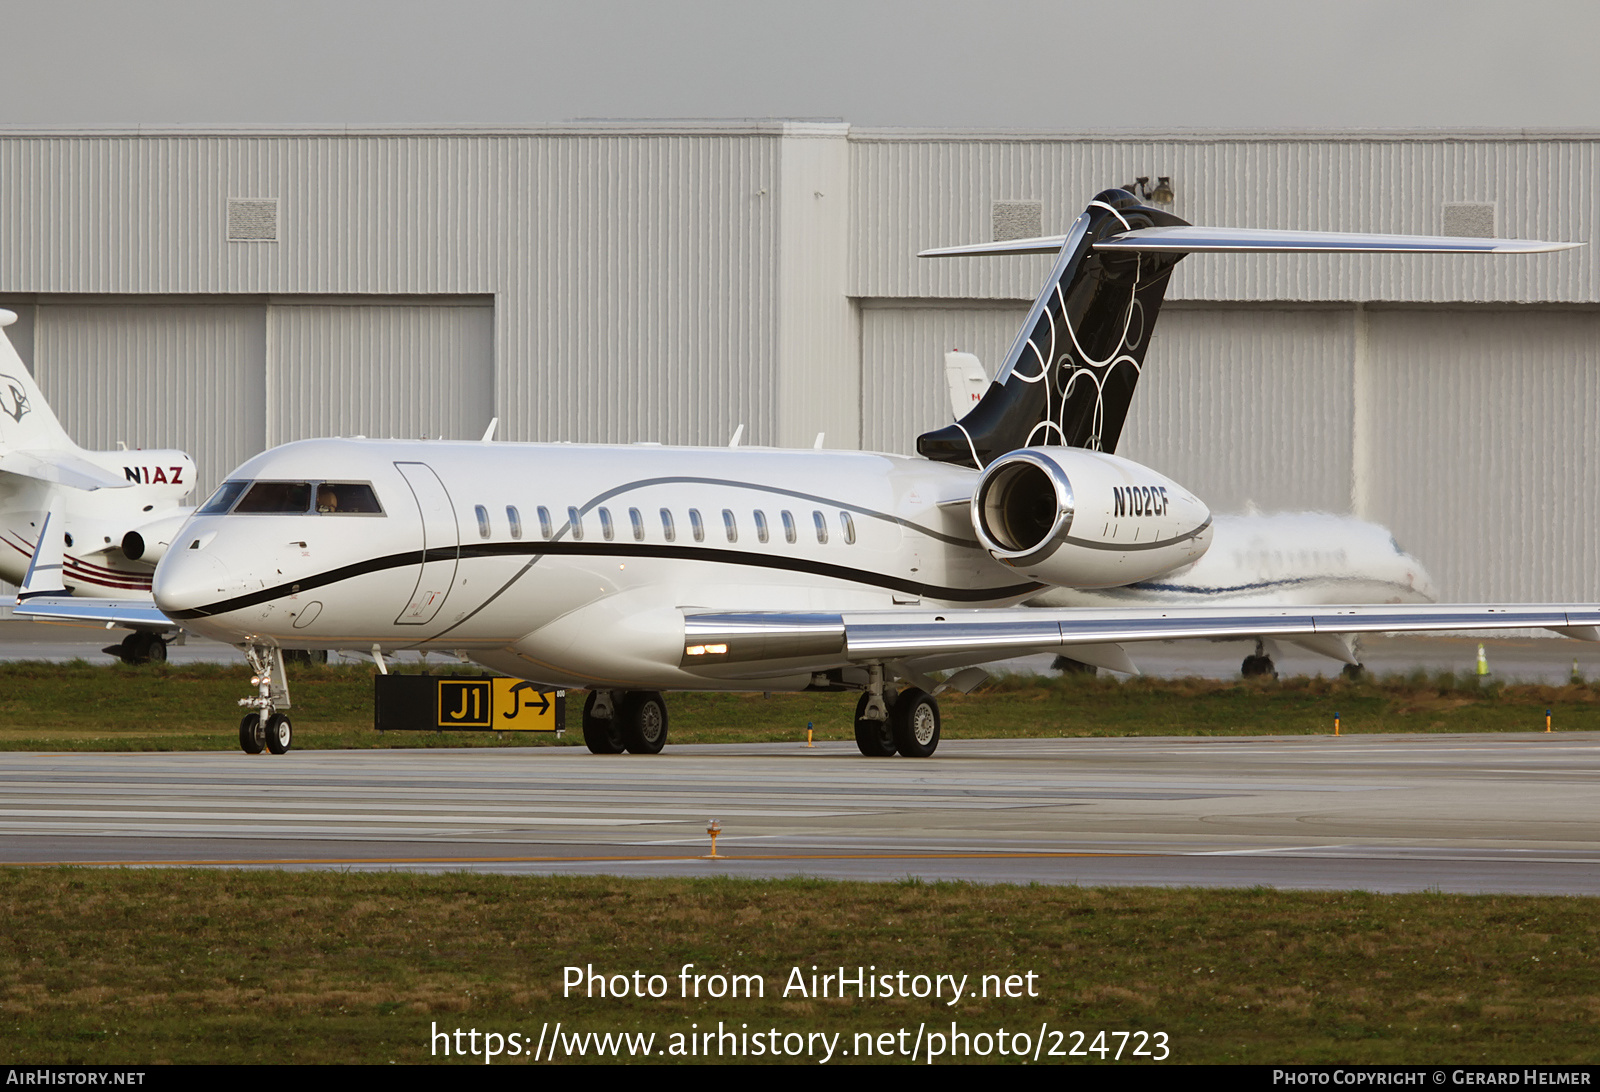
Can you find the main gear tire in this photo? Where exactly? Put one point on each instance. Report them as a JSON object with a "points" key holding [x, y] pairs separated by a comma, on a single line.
{"points": [[874, 738], [600, 734], [915, 722]]}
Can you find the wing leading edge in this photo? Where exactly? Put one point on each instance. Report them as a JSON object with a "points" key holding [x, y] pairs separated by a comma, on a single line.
{"points": [[136, 614], [738, 645]]}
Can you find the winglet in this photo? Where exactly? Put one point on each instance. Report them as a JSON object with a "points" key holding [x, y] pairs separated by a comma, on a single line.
{"points": [[45, 569]]}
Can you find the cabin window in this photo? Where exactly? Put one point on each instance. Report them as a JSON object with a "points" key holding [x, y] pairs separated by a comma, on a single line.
{"points": [[668, 531], [483, 520], [223, 498], [761, 526], [822, 526], [575, 523], [729, 525], [607, 531], [789, 532], [514, 518], [276, 497], [638, 524], [849, 525], [545, 530], [697, 525]]}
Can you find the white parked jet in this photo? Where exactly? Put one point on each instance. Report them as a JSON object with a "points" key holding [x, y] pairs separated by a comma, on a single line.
{"points": [[113, 512], [1285, 559], [631, 570]]}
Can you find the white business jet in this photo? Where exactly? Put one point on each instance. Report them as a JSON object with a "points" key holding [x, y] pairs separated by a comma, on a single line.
{"points": [[632, 570], [1255, 560], [104, 517]]}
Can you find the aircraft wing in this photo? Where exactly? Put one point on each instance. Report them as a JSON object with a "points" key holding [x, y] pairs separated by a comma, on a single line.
{"points": [[735, 645], [128, 613]]}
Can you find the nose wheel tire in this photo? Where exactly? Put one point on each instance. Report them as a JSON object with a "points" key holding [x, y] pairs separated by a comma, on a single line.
{"points": [[280, 734], [915, 722], [252, 734], [642, 718], [600, 734], [874, 738]]}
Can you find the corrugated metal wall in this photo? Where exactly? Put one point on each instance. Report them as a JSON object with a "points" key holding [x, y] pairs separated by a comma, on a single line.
{"points": [[612, 283], [157, 375], [396, 370], [1487, 456], [918, 190], [638, 264], [1248, 406], [903, 390]]}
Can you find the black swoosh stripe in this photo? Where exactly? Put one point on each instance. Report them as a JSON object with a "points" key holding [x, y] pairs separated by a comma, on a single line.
{"points": [[814, 498], [607, 549]]}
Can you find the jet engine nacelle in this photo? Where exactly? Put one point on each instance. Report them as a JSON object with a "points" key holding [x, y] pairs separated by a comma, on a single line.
{"points": [[149, 543], [1083, 519]]}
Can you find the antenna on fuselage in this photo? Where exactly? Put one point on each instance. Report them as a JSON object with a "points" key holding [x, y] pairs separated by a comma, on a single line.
{"points": [[737, 434], [488, 433]]}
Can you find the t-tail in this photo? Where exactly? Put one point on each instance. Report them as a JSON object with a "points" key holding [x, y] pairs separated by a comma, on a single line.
{"points": [[32, 442], [1070, 376]]}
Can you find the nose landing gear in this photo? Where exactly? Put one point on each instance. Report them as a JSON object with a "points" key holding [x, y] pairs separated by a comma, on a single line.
{"points": [[263, 727]]}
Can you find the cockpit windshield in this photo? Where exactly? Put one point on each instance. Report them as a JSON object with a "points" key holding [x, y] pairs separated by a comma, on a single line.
{"points": [[276, 497], [294, 498], [223, 498]]}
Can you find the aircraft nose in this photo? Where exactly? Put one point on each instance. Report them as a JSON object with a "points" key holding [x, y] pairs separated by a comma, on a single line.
{"points": [[188, 579]]}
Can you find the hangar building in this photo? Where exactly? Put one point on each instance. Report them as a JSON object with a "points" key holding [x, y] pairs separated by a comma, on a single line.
{"points": [[226, 290]]}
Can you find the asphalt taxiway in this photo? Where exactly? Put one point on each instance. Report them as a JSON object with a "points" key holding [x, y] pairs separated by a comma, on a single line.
{"points": [[1467, 813]]}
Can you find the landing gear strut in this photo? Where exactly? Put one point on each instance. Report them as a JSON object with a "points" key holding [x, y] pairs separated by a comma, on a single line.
{"points": [[263, 726], [139, 647], [631, 720]]}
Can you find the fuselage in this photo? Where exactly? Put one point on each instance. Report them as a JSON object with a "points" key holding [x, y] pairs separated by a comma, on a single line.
{"points": [[96, 521], [1281, 559], [569, 564]]}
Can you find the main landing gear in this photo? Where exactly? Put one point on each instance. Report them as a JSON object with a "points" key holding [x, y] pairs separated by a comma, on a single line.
{"points": [[263, 727], [1260, 665], [139, 647], [625, 720], [906, 723]]}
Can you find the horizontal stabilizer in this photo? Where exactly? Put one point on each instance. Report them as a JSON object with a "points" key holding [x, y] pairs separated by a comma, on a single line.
{"points": [[128, 613], [1200, 240], [1195, 240], [60, 468]]}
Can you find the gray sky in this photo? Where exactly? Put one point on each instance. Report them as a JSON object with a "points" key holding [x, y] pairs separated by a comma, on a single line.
{"points": [[998, 64]]}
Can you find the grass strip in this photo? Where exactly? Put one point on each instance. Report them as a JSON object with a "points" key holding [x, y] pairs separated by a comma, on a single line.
{"points": [[83, 707], [131, 966]]}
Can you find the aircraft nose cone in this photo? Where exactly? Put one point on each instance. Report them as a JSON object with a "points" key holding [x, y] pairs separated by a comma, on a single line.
{"points": [[183, 583]]}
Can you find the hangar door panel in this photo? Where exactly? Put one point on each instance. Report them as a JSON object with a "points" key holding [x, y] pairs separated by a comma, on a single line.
{"points": [[400, 370], [902, 362], [156, 375], [1486, 450], [1248, 406]]}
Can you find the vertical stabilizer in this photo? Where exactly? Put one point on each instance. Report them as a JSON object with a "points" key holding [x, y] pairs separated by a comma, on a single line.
{"points": [[26, 420], [1069, 377]]}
